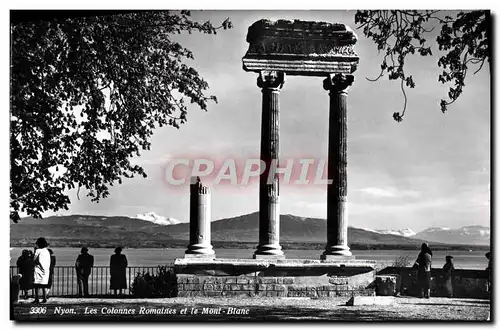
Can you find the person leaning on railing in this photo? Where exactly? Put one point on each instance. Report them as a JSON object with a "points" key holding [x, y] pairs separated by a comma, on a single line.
{"points": [[26, 270], [423, 265], [83, 265], [118, 265], [447, 279]]}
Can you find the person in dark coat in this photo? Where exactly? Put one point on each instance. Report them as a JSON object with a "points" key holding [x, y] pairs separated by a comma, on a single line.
{"points": [[83, 265], [52, 267], [448, 270], [118, 264], [14, 292], [488, 270], [423, 265], [25, 269]]}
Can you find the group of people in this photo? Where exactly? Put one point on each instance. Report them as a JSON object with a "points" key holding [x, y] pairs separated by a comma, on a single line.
{"points": [[423, 265], [36, 270], [118, 264]]}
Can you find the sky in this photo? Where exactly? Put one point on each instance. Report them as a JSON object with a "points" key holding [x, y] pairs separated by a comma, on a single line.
{"points": [[432, 170]]}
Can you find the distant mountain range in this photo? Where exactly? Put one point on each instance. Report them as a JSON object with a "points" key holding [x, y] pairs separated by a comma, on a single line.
{"points": [[477, 235], [153, 230]]}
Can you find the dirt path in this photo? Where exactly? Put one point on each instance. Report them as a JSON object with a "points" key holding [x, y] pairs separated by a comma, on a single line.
{"points": [[221, 309]]}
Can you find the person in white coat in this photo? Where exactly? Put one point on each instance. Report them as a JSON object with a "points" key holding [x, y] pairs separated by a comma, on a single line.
{"points": [[42, 269]]}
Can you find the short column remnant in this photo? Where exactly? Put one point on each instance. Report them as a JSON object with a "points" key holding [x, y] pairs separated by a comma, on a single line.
{"points": [[199, 222], [336, 245], [269, 211]]}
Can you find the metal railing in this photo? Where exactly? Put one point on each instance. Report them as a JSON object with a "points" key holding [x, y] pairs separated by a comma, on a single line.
{"points": [[65, 282]]}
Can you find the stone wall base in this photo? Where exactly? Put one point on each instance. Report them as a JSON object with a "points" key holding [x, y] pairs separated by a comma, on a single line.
{"points": [[466, 283], [274, 278], [255, 286]]}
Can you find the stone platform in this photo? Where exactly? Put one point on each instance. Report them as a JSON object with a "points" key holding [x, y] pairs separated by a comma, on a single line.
{"points": [[273, 278]]}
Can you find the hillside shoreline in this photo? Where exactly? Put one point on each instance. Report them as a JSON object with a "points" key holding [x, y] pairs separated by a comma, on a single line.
{"points": [[240, 232], [242, 245]]}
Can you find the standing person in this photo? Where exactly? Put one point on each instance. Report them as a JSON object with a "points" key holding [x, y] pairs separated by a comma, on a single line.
{"points": [[488, 270], [52, 267], [25, 265], [448, 270], [42, 269], [14, 292], [118, 264], [423, 265], [32, 270], [84, 263]]}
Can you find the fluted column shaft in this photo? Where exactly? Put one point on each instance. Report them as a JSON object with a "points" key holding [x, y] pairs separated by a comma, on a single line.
{"points": [[199, 222], [269, 213], [336, 245]]}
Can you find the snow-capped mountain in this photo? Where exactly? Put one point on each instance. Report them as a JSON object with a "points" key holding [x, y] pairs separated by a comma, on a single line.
{"points": [[466, 235], [157, 219], [407, 232], [366, 229], [435, 229]]}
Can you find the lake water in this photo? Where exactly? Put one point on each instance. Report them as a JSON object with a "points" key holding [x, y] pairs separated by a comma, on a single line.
{"points": [[152, 257]]}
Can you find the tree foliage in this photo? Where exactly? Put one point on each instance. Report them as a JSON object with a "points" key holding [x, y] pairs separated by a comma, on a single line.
{"points": [[87, 93], [464, 39]]}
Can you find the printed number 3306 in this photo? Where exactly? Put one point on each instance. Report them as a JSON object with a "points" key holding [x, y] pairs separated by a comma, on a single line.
{"points": [[38, 310]]}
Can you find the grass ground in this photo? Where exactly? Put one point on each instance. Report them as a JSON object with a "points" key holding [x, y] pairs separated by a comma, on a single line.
{"points": [[261, 309]]}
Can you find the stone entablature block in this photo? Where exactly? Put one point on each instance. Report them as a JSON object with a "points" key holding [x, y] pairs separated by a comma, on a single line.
{"points": [[300, 48]]}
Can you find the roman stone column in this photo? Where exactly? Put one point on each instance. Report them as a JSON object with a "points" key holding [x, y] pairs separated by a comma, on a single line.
{"points": [[269, 213], [336, 246], [199, 222]]}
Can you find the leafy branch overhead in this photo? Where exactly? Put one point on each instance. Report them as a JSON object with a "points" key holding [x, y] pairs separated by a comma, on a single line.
{"points": [[464, 39], [86, 95]]}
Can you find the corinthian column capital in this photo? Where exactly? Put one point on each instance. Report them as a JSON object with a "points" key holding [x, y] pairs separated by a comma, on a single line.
{"points": [[338, 83], [271, 79]]}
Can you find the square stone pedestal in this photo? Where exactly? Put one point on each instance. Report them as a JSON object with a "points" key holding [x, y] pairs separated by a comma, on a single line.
{"points": [[274, 278]]}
